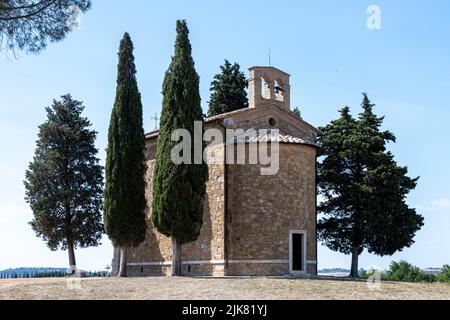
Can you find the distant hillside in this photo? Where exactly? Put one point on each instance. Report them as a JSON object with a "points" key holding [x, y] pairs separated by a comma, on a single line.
{"points": [[33, 273], [21, 273]]}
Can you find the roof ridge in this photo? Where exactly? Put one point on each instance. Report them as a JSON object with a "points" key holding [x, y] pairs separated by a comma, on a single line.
{"points": [[239, 111]]}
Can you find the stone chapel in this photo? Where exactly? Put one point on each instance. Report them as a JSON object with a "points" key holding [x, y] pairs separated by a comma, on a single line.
{"points": [[254, 225]]}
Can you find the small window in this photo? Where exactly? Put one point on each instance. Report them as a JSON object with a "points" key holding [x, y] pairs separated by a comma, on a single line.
{"points": [[272, 122], [265, 89], [142, 269]]}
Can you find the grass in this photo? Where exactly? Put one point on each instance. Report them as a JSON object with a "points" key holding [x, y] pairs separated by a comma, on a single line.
{"points": [[216, 289]]}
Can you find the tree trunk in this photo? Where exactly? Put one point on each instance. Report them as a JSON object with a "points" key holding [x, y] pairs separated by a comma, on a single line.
{"points": [[355, 255], [72, 261], [176, 258], [123, 262]]}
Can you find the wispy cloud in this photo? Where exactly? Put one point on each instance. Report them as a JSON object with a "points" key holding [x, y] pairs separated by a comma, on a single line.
{"points": [[13, 212], [441, 204], [9, 171]]}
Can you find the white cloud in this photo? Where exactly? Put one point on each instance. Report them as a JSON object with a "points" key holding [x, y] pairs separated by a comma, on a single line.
{"points": [[13, 212], [443, 203], [437, 205]]}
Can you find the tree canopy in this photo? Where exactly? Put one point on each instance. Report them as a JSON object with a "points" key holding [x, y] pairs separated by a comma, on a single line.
{"points": [[125, 204], [364, 190], [228, 90], [29, 25], [179, 189], [64, 183], [297, 112]]}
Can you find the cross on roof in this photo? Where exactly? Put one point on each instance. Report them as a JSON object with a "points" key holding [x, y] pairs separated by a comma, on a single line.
{"points": [[156, 118]]}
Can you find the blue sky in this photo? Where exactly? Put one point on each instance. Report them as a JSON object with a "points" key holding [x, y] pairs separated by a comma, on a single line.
{"points": [[326, 47]]}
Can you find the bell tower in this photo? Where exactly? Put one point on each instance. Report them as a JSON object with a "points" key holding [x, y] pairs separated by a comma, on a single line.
{"points": [[269, 86]]}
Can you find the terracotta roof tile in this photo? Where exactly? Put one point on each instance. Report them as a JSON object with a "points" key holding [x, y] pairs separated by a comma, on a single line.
{"points": [[275, 137]]}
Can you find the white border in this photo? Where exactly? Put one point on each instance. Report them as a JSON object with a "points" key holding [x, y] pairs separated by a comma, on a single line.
{"points": [[208, 262], [144, 264]]}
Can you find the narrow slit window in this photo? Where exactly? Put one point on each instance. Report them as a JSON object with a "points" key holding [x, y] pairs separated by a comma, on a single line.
{"points": [[298, 254]]}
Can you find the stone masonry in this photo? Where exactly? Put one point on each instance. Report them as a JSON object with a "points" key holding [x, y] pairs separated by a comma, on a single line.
{"points": [[248, 218]]}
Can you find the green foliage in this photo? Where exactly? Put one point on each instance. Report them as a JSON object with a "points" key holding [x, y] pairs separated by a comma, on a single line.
{"points": [[297, 112], [364, 189], [179, 190], [228, 90], [444, 276], [366, 274], [404, 271], [29, 25], [64, 182], [124, 212]]}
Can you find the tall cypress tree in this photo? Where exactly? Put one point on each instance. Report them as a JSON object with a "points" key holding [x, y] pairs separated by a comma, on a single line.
{"points": [[124, 212], [179, 190], [64, 183], [228, 90], [364, 189]]}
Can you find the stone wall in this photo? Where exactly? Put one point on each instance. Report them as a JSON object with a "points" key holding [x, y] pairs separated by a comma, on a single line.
{"points": [[259, 118], [257, 269], [211, 245], [157, 248], [262, 210], [260, 213]]}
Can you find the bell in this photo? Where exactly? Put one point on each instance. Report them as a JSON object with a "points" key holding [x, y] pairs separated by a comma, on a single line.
{"points": [[278, 89]]}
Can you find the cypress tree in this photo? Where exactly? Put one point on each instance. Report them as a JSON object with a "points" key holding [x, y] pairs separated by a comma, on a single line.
{"points": [[64, 183], [124, 213], [364, 189], [179, 190], [228, 90]]}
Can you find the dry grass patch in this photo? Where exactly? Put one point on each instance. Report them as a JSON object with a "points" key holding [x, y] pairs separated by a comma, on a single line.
{"points": [[214, 289]]}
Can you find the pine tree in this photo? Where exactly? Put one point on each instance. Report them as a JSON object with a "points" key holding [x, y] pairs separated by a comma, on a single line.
{"points": [[64, 182], [297, 112], [30, 25], [179, 190], [125, 204], [364, 189], [228, 90]]}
